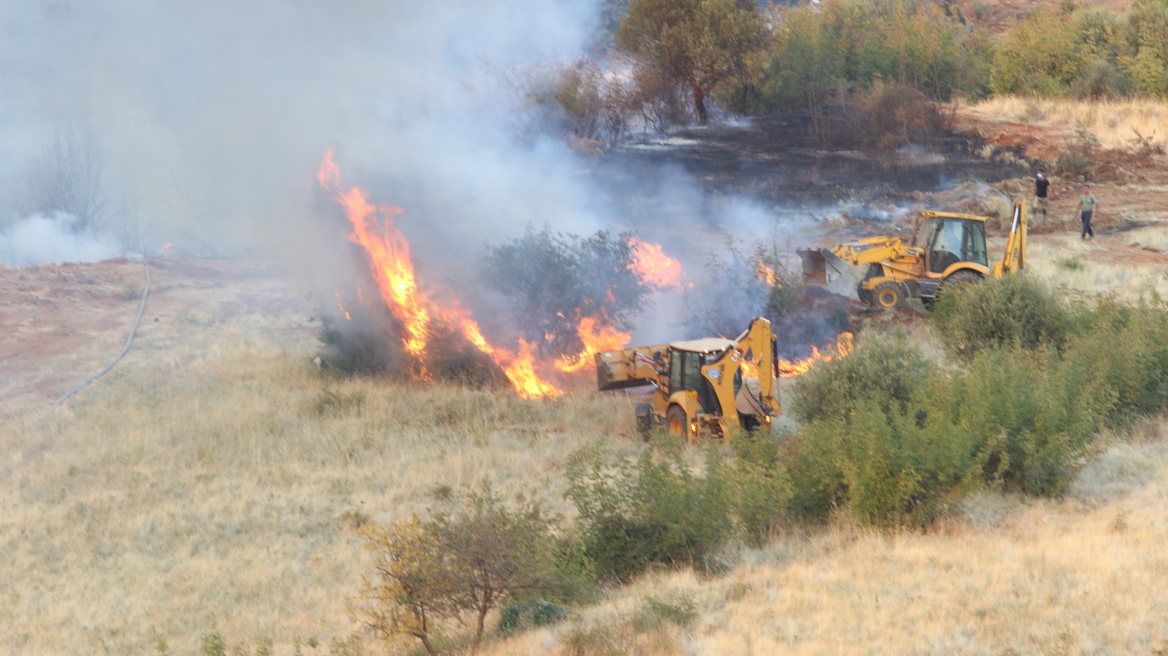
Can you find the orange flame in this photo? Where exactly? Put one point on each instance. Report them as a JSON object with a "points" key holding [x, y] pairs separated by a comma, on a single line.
{"points": [[843, 346], [653, 266], [765, 274], [597, 338], [388, 254], [521, 372]]}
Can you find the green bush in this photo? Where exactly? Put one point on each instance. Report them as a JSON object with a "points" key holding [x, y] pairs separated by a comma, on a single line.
{"points": [[996, 313], [1126, 349], [1028, 423], [762, 487], [653, 510], [520, 615], [880, 368], [885, 469]]}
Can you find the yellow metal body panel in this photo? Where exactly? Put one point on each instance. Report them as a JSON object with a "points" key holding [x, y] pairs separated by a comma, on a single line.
{"points": [[649, 365]]}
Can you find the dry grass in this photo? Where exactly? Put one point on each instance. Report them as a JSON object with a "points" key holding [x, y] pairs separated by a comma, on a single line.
{"points": [[1086, 266], [1114, 122], [216, 475], [227, 487]]}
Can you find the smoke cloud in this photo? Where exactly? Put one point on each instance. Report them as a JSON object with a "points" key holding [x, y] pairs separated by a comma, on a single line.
{"points": [[53, 239]]}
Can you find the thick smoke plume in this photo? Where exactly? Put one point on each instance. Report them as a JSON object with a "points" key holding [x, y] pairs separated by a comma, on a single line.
{"points": [[55, 239]]}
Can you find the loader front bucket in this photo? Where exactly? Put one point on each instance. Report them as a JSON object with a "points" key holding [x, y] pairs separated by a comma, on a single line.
{"points": [[821, 266]]}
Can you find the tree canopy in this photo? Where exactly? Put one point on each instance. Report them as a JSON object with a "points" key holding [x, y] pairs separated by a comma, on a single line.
{"points": [[695, 43]]}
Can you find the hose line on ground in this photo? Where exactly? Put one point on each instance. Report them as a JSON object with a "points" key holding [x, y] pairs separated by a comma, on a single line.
{"points": [[129, 342]]}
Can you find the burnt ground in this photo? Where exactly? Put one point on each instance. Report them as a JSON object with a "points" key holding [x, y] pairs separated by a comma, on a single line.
{"points": [[775, 160]]}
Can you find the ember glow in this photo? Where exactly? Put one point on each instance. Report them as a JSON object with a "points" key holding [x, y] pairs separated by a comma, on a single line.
{"points": [[843, 346], [765, 274], [388, 254], [597, 338], [653, 266]]}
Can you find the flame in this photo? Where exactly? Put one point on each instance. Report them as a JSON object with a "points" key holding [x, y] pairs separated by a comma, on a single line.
{"points": [[765, 274], [166, 248], [749, 368], [388, 253], [521, 372], [843, 346], [597, 338], [653, 266]]}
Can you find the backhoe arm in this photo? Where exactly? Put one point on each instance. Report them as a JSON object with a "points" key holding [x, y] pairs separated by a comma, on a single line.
{"points": [[1014, 259]]}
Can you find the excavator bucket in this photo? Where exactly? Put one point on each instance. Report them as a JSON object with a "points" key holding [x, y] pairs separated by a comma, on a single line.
{"points": [[820, 266]]}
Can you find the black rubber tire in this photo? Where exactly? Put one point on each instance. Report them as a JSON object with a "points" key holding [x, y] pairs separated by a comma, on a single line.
{"points": [[963, 277], [865, 296], [888, 295], [677, 423], [645, 427]]}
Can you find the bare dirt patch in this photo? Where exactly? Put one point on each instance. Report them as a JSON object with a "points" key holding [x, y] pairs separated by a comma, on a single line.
{"points": [[60, 324]]}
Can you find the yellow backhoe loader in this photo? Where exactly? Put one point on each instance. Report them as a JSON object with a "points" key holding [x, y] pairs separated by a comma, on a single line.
{"points": [[952, 251], [699, 387]]}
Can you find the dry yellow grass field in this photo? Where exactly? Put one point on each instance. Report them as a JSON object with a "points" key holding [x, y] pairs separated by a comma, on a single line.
{"points": [[214, 477], [1114, 122], [220, 479]]}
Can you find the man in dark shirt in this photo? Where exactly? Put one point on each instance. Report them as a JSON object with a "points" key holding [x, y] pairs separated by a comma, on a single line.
{"points": [[1040, 186]]}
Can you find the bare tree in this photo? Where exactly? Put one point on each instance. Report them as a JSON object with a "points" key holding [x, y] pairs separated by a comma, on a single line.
{"points": [[68, 175]]}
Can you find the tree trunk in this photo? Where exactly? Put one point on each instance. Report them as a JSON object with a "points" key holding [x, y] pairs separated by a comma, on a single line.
{"points": [[474, 650], [699, 95], [429, 647]]}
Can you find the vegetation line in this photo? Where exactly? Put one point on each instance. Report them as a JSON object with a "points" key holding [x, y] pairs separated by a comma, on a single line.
{"points": [[125, 350]]}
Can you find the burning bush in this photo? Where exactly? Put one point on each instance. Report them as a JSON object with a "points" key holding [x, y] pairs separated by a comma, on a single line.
{"points": [[558, 286]]}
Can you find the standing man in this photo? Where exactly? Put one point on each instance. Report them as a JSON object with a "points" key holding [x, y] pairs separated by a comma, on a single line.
{"points": [[1041, 184], [1087, 203]]}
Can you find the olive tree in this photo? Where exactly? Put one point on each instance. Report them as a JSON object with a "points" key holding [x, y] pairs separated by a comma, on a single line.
{"points": [[696, 43]]}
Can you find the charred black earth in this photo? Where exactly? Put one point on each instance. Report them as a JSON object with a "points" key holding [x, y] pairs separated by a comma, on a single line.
{"points": [[773, 159]]}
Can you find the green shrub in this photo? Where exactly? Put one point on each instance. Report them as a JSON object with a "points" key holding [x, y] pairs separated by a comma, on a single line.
{"points": [[1126, 349], [653, 510], [520, 615], [1026, 418], [880, 368], [886, 469], [762, 487], [995, 313]]}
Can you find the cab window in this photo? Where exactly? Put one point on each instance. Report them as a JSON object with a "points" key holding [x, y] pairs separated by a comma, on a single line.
{"points": [[955, 240]]}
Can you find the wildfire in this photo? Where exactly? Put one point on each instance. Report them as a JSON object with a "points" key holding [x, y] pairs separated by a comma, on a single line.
{"points": [[521, 372], [765, 274], [597, 338], [843, 346], [653, 266], [388, 254]]}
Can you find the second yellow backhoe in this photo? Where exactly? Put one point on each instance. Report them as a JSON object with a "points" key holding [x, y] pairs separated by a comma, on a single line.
{"points": [[952, 251], [709, 386]]}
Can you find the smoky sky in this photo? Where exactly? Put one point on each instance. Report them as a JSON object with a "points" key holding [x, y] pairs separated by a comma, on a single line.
{"points": [[212, 116]]}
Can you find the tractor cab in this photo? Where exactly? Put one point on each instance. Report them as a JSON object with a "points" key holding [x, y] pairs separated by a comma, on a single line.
{"points": [[685, 368], [952, 238]]}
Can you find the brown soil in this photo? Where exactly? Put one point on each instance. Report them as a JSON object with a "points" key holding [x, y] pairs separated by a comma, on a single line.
{"points": [[61, 324]]}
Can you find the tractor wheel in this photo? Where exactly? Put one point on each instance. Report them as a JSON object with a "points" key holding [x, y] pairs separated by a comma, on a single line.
{"points": [[961, 278], [645, 427], [678, 424], [865, 296], [888, 295]]}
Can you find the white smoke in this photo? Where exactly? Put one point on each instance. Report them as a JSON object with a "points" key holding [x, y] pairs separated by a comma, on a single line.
{"points": [[55, 239]]}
